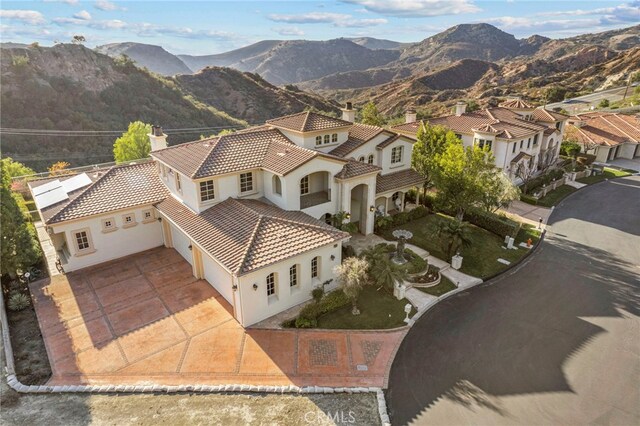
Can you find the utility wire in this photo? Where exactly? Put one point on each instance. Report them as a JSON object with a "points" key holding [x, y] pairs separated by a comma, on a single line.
{"points": [[104, 133]]}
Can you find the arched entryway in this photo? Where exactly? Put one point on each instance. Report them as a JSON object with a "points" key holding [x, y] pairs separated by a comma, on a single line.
{"points": [[315, 188], [360, 206]]}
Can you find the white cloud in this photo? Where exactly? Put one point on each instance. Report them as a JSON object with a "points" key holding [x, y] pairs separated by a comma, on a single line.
{"points": [[335, 19], [71, 2], [417, 8], [31, 17], [107, 5], [626, 12], [83, 14], [288, 31]]}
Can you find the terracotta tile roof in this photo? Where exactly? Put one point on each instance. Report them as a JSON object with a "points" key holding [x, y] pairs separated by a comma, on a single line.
{"points": [[389, 141], [359, 134], [516, 103], [398, 180], [607, 129], [408, 128], [520, 156], [550, 131], [356, 168], [268, 149], [120, 187], [308, 122], [544, 115], [245, 235]]}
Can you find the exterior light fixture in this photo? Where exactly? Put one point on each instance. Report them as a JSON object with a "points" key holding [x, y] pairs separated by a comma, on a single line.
{"points": [[372, 209], [159, 219], [190, 247], [348, 216], [234, 287], [255, 286], [333, 257]]}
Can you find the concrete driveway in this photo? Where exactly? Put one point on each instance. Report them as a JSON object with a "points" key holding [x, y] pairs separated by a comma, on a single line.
{"points": [[146, 319], [555, 342]]}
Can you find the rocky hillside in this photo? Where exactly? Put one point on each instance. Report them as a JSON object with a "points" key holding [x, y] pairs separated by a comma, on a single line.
{"points": [[70, 87], [154, 58], [294, 61], [376, 43], [248, 96]]}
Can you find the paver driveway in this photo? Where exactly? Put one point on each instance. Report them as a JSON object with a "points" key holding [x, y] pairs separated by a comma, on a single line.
{"points": [[146, 319]]}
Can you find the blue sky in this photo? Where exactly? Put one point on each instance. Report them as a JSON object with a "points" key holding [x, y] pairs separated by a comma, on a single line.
{"points": [[204, 27]]}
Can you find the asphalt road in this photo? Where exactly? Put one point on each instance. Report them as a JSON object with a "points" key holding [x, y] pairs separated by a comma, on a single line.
{"points": [[555, 341], [582, 103]]}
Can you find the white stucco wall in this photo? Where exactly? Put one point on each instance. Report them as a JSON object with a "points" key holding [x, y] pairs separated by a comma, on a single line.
{"points": [[218, 277], [291, 186], [370, 148], [256, 305], [308, 139], [385, 156], [110, 245], [627, 150], [181, 243]]}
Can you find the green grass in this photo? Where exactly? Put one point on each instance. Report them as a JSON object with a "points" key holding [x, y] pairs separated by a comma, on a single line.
{"points": [[480, 258], [554, 197], [606, 174], [445, 286], [378, 310]]}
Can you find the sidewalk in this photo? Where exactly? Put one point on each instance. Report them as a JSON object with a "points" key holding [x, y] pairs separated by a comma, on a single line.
{"points": [[527, 213]]}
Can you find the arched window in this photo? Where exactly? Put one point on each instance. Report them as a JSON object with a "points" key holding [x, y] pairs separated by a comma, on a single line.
{"points": [[361, 159], [271, 284], [276, 185], [318, 140], [370, 159], [304, 185], [315, 267], [293, 276], [326, 218], [327, 139], [334, 138]]}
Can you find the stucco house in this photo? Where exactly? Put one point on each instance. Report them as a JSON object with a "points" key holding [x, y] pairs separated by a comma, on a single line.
{"points": [[518, 134], [250, 211], [606, 135]]}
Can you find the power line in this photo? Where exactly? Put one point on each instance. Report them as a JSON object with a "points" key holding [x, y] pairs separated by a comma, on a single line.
{"points": [[105, 133]]}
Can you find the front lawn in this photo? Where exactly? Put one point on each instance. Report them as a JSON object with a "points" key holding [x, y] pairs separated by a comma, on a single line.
{"points": [[606, 174], [480, 258], [378, 310], [445, 286], [554, 197]]}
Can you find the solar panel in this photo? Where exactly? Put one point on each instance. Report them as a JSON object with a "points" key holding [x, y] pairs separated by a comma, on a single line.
{"points": [[46, 187], [76, 182], [50, 198]]}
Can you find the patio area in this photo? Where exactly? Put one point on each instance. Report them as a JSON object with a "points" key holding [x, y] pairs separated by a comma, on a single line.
{"points": [[146, 319]]}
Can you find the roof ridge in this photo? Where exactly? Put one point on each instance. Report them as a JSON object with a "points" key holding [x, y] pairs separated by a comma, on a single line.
{"points": [[304, 123], [206, 157], [623, 132], [252, 238]]}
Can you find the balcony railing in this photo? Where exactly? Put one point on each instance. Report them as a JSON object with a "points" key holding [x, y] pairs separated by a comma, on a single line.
{"points": [[313, 199]]}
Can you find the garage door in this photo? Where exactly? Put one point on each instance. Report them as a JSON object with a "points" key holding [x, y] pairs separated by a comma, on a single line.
{"points": [[218, 278], [181, 243]]}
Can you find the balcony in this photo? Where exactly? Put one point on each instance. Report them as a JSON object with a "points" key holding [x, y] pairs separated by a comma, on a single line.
{"points": [[313, 199]]}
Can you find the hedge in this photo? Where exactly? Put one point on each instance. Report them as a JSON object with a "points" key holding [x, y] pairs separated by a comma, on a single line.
{"points": [[543, 180], [404, 217], [308, 317], [499, 225]]}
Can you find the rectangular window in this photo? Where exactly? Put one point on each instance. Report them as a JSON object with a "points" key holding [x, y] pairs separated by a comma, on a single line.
{"points": [[514, 148], [318, 140], [178, 183], [147, 216], [396, 155], [535, 140], [164, 171], [293, 276], [304, 185], [82, 240], [459, 136], [326, 139], [271, 284], [521, 143], [108, 224], [529, 143], [314, 267], [483, 142], [206, 191], [370, 159], [246, 182], [334, 138], [128, 220]]}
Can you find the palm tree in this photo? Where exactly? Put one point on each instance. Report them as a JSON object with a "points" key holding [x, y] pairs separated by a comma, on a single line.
{"points": [[455, 235], [352, 277], [383, 271]]}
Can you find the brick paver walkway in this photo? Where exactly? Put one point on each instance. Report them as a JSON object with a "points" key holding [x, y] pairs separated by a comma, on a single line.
{"points": [[146, 319]]}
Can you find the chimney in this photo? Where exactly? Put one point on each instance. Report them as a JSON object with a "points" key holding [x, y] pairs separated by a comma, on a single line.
{"points": [[461, 107], [158, 138], [348, 113], [410, 115]]}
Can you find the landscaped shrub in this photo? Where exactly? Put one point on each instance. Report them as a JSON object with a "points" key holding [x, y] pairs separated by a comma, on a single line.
{"points": [[317, 294], [546, 179], [528, 199], [330, 302], [290, 323], [401, 218], [348, 251], [383, 222], [18, 301], [499, 225], [585, 159], [418, 212], [428, 201]]}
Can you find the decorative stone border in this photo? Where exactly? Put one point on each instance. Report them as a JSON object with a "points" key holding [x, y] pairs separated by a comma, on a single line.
{"points": [[424, 285], [17, 386]]}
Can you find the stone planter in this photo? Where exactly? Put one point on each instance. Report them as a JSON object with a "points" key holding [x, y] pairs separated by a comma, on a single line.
{"points": [[427, 285]]}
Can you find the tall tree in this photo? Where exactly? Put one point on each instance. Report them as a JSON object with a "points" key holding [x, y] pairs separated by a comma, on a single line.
{"points": [[134, 144], [15, 169], [382, 270], [59, 168], [496, 190], [352, 277], [454, 235], [371, 115], [457, 176], [19, 248], [431, 143]]}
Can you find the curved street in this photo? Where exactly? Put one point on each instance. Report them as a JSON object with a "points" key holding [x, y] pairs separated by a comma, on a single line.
{"points": [[554, 341]]}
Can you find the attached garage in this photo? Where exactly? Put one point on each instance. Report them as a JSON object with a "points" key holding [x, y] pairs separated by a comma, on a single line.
{"points": [[218, 277], [181, 243]]}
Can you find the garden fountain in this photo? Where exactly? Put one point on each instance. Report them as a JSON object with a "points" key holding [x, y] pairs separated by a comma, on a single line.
{"points": [[402, 236]]}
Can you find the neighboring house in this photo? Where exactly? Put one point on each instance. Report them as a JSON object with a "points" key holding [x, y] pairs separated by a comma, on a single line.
{"points": [[518, 134], [250, 211], [605, 134]]}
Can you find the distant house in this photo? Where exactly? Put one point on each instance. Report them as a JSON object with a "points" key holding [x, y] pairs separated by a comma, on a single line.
{"points": [[250, 211], [518, 134], [605, 134]]}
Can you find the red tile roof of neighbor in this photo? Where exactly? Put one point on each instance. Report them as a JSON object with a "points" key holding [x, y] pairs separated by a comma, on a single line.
{"points": [[516, 103], [604, 128], [308, 122], [246, 234], [398, 180], [268, 149], [503, 122], [356, 168], [120, 187]]}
